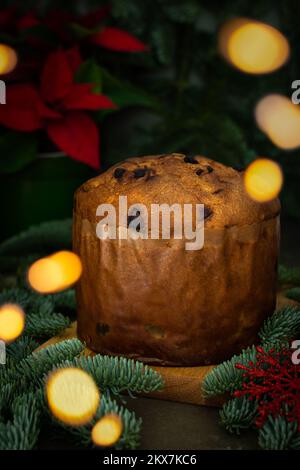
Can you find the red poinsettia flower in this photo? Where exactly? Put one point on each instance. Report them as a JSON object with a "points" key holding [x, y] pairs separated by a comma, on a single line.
{"points": [[59, 106], [11, 22], [108, 37]]}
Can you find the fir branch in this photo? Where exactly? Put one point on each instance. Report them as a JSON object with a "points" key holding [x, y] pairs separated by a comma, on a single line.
{"points": [[22, 432], [131, 426], [288, 275], [118, 374], [39, 325], [238, 413], [21, 348], [293, 294], [64, 300], [18, 296], [29, 371], [283, 325], [278, 434], [41, 238], [226, 377]]}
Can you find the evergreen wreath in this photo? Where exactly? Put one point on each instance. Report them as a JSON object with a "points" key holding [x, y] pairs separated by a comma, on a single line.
{"points": [[23, 408], [262, 381]]}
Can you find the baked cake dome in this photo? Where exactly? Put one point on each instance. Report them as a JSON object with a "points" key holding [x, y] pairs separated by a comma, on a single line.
{"points": [[152, 299]]}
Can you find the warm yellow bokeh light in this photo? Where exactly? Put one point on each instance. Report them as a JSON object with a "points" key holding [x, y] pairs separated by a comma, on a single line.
{"points": [[263, 180], [73, 397], [55, 273], [8, 59], [12, 322], [107, 431], [252, 46], [279, 118]]}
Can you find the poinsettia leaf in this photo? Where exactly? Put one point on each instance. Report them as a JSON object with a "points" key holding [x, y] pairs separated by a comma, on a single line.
{"points": [[82, 31], [90, 72], [57, 77], [21, 111], [116, 39], [81, 97], [124, 94], [77, 135], [17, 150]]}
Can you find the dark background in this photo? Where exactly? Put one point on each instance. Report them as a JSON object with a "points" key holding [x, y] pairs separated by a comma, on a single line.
{"points": [[181, 96]]}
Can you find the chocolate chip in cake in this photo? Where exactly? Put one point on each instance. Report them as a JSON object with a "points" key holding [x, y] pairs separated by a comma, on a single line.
{"points": [[207, 212], [209, 169], [119, 172], [140, 172], [102, 328], [220, 190], [199, 172], [190, 160]]}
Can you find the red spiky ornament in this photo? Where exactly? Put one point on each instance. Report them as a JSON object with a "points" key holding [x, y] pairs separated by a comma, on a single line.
{"points": [[274, 381]]}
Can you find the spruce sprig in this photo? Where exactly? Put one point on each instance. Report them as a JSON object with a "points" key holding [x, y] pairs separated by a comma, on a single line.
{"points": [[287, 275], [130, 437], [41, 239], [226, 377], [118, 374], [22, 432], [238, 413], [283, 325], [279, 434]]}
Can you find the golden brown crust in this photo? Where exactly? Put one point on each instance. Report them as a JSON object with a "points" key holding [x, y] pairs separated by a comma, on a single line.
{"points": [[153, 300], [170, 179]]}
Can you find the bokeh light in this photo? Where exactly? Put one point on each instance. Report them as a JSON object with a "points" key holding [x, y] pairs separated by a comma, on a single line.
{"points": [[8, 59], [263, 180], [73, 397], [12, 322], [55, 273], [253, 47], [107, 431], [279, 118]]}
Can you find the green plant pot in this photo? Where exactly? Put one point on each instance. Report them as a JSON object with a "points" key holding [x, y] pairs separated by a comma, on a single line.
{"points": [[41, 191]]}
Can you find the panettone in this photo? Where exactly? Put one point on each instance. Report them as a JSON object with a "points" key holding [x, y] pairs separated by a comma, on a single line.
{"points": [[152, 299]]}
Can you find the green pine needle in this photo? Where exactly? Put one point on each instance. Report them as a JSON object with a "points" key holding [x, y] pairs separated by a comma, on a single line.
{"points": [[29, 371], [42, 238], [293, 294], [238, 413], [131, 426], [39, 325], [226, 377], [118, 374], [288, 275], [23, 431], [278, 434], [283, 325], [21, 348]]}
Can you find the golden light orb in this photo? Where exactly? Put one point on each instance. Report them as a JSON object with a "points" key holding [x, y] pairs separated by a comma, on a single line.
{"points": [[107, 431], [73, 397], [12, 322], [263, 180], [55, 273], [279, 119], [252, 46], [8, 59]]}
